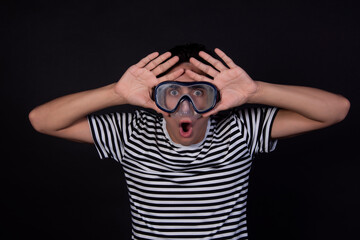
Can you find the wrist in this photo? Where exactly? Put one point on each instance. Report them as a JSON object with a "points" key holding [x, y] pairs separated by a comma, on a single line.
{"points": [[115, 97], [255, 96]]}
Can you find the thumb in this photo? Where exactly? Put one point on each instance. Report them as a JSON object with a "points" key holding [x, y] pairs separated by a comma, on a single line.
{"points": [[152, 105], [219, 107]]}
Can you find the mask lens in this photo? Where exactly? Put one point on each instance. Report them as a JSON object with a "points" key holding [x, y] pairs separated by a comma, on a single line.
{"points": [[202, 95]]}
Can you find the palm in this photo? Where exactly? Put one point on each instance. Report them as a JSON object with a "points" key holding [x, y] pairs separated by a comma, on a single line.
{"points": [[234, 83], [235, 87], [136, 84]]}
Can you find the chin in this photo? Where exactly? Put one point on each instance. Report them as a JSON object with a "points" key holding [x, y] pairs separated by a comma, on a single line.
{"points": [[186, 132], [187, 142]]}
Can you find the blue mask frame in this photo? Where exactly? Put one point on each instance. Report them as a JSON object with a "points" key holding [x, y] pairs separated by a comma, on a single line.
{"points": [[186, 97]]}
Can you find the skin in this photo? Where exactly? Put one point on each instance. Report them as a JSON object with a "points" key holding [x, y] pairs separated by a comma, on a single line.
{"points": [[302, 109], [197, 126]]}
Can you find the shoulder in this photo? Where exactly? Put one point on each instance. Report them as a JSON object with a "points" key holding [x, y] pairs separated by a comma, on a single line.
{"points": [[146, 116], [255, 114], [244, 112], [246, 116], [127, 116]]}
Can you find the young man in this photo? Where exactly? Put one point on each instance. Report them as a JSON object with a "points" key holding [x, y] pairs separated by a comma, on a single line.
{"points": [[187, 168]]}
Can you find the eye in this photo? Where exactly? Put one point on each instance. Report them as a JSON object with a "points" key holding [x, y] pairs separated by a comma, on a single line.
{"points": [[173, 92], [198, 93]]}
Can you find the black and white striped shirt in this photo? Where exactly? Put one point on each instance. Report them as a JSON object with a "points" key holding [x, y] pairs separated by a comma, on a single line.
{"points": [[185, 192]]}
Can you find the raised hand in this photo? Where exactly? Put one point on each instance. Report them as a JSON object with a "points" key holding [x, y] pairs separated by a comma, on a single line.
{"points": [[136, 85], [235, 85]]}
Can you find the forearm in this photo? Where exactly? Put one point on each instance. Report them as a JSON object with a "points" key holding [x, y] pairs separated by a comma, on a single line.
{"points": [[314, 104], [62, 112]]}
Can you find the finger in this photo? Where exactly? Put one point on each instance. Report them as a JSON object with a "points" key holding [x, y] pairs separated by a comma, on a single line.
{"points": [[154, 63], [152, 105], [165, 66], [214, 62], [226, 59], [172, 76], [214, 111], [147, 59], [158, 110], [203, 67], [197, 77]]}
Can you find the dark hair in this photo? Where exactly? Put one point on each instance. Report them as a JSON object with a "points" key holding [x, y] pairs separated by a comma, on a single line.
{"points": [[186, 51]]}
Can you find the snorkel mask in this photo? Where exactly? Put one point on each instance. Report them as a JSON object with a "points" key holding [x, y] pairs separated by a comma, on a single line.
{"points": [[186, 99]]}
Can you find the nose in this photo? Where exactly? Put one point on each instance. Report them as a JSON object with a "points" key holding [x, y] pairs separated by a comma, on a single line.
{"points": [[184, 106], [185, 109]]}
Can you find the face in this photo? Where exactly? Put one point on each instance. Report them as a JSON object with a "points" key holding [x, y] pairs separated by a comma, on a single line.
{"points": [[198, 94], [186, 130]]}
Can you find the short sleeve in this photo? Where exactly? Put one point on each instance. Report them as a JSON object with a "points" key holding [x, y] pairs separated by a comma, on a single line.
{"points": [[110, 132], [256, 125]]}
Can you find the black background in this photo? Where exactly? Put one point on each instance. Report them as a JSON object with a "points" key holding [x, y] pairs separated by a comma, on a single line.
{"points": [[54, 189]]}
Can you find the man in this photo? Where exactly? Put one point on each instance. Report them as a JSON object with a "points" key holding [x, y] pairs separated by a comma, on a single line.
{"points": [[187, 168]]}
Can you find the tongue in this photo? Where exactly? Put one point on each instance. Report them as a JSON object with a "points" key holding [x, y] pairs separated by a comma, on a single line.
{"points": [[185, 130]]}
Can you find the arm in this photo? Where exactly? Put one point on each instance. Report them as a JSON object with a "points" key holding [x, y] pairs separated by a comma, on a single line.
{"points": [[66, 117], [302, 109]]}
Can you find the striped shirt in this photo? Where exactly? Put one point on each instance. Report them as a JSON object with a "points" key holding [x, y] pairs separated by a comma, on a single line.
{"points": [[185, 192]]}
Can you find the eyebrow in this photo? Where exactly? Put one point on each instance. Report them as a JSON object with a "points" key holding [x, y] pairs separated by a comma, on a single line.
{"points": [[174, 86], [197, 87]]}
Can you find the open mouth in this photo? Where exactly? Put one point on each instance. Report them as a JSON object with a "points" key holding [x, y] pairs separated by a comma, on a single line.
{"points": [[185, 128]]}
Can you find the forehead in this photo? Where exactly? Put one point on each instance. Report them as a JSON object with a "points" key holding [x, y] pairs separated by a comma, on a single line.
{"points": [[185, 66]]}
